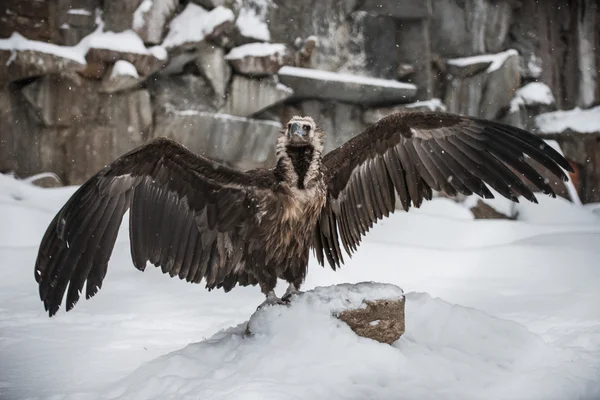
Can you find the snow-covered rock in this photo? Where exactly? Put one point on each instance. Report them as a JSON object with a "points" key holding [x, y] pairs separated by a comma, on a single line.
{"points": [[577, 121], [150, 19], [23, 58], [485, 86], [251, 23], [259, 59], [213, 66], [122, 75], [194, 25], [250, 96], [315, 84]]}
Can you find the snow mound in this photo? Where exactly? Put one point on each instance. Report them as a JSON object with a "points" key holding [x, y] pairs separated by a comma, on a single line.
{"points": [[194, 24], [535, 93], [17, 42], [302, 351], [256, 50], [577, 120], [124, 68]]}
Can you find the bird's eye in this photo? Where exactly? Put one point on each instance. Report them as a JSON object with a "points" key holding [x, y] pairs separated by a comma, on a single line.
{"points": [[306, 128]]}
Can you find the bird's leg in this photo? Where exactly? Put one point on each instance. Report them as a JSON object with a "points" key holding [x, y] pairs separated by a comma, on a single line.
{"points": [[271, 297], [293, 288]]}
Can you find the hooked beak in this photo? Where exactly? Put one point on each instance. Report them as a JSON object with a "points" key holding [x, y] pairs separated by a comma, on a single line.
{"points": [[296, 129]]}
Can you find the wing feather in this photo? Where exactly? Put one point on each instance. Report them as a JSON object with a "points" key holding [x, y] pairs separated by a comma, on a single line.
{"points": [[185, 217], [413, 153]]}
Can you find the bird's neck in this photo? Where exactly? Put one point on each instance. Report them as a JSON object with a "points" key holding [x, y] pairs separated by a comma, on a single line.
{"points": [[299, 166]]}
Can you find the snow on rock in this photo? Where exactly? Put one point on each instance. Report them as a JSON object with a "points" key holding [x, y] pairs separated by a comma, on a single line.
{"points": [[122, 76], [124, 68], [532, 94], [259, 59], [195, 24], [576, 121], [21, 58], [493, 61], [252, 26], [150, 18], [301, 351], [318, 84]]}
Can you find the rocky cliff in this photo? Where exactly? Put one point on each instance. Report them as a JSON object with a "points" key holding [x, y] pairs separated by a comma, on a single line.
{"points": [[83, 81]]}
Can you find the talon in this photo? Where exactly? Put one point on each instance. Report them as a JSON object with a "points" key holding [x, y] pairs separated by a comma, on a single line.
{"points": [[272, 300]]}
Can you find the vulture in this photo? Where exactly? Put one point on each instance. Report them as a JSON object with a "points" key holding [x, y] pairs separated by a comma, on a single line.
{"points": [[206, 222]]}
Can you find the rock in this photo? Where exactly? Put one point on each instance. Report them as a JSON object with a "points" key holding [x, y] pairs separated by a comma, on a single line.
{"points": [[461, 28], [21, 58], [213, 66], [121, 76], [150, 19], [371, 310], [400, 9], [340, 121], [250, 96], [259, 59], [27, 17], [375, 114], [251, 23], [482, 210], [74, 20], [303, 57], [380, 320], [460, 69], [194, 25], [118, 14], [414, 47], [109, 47], [531, 100], [63, 101], [238, 142], [181, 92], [315, 84], [487, 93], [404, 70], [210, 4]]}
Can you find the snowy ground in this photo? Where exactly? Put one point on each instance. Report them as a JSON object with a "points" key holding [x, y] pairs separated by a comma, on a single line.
{"points": [[495, 310]]}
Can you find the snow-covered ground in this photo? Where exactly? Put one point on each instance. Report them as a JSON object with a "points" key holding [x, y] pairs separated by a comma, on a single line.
{"points": [[495, 310]]}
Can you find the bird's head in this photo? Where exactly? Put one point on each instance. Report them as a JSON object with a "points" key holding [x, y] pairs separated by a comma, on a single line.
{"points": [[302, 131]]}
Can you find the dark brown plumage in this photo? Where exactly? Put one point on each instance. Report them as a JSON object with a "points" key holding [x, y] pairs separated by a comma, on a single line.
{"points": [[202, 221]]}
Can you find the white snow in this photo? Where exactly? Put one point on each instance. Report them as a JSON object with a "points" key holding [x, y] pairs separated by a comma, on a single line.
{"points": [[577, 120], [124, 68], [79, 11], [194, 23], [536, 93], [494, 310], [140, 12], [496, 60], [226, 116], [16, 42], [256, 50], [251, 25], [432, 104], [127, 42], [342, 77]]}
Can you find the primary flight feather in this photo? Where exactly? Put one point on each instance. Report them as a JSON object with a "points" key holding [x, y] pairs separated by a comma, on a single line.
{"points": [[202, 221]]}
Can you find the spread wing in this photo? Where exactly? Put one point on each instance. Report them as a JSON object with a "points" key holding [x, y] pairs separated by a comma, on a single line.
{"points": [[413, 153], [188, 215]]}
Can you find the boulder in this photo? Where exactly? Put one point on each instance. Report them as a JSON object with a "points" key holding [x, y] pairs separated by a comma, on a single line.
{"points": [[486, 94], [109, 47], [151, 17], [194, 25], [400, 9], [121, 76], [251, 22], [212, 65], [250, 96], [27, 17], [210, 4], [531, 100], [315, 84], [461, 28], [235, 141], [483, 210], [74, 20], [375, 114], [181, 92], [118, 14], [380, 320], [259, 59], [22, 58]]}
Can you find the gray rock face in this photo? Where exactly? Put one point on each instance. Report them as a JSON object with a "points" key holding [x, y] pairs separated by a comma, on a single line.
{"points": [[74, 20], [118, 14], [468, 27], [259, 59], [487, 93], [238, 142], [181, 92], [251, 96], [314, 84], [213, 66], [150, 19], [401, 9], [145, 63]]}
